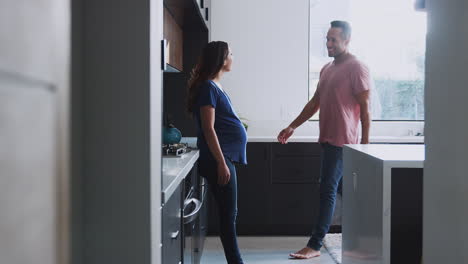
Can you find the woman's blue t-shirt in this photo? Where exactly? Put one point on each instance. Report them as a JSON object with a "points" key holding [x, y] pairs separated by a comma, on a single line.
{"points": [[231, 133]]}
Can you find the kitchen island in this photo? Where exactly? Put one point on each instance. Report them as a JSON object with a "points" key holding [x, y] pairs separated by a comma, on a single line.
{"points": [[382, 203]]}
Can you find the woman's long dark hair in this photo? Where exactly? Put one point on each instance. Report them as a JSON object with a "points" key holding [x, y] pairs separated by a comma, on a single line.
{"points": [[209, 64]]}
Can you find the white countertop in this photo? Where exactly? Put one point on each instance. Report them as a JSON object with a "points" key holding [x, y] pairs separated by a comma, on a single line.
{"points": [[373, 139], [174, 170], [393, 152]]}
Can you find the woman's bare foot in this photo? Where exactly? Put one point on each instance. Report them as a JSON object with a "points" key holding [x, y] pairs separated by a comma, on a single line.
{"points": [[305, 253]]}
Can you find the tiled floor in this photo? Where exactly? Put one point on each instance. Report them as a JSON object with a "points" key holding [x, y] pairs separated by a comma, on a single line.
{"points": [[263, 250]]}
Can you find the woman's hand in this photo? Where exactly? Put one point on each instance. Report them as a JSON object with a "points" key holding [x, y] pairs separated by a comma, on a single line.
{"points": [[284, 135], [223, 173]]}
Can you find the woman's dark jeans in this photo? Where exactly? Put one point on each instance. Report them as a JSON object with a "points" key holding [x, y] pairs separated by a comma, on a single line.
{"points": [[226, 200]]}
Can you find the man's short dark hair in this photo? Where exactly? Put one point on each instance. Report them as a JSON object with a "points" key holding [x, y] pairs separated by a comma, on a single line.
{"points": [[345, 28]]}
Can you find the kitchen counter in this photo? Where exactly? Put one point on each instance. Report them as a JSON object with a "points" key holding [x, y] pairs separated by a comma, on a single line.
{"points": [[382, 203], [374, 139], [174, 171], [394, 155]]}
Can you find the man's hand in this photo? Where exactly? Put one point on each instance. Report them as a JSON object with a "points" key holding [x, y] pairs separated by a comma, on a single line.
{"points": [[223, 173], [285, 134], [364, 141]]}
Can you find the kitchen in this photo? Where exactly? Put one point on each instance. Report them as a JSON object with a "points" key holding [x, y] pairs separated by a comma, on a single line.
{"points": [[293, 169], [115, 104]]}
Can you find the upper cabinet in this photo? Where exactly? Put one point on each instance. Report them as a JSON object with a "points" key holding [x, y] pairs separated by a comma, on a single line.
{"points": [[205, 10], [174, 38], [186, 26], [186, 32]]}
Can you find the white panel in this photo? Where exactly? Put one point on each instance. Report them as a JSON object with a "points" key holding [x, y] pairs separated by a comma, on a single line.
{"points": [[445, 169], [156, 35], [28, 172], [269, 40], [362, 208]]}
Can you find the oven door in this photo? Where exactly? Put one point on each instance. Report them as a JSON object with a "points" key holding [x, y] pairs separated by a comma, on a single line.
{"points": [[201, 224]]}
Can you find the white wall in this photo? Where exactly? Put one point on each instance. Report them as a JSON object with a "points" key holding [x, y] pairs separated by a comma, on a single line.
{"points": [[269, 39], [445, 175], [269, 81]]}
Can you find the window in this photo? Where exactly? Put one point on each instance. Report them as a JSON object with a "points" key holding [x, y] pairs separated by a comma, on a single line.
{"points": [[389, 36]]}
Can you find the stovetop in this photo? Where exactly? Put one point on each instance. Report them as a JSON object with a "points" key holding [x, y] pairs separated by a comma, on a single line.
{"points": [[175, 149]]}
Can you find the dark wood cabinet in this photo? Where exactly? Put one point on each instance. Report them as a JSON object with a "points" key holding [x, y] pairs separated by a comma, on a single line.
{"points": [[278, 191], [253, 182], [187, 39]]}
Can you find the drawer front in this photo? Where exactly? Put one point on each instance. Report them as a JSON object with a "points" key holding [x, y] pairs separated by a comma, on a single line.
{"points": [[172, 229], [295, 163]]}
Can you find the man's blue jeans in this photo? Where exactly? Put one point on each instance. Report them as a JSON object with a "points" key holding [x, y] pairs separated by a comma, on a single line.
{"points": [[226, 200], [331, 172]]}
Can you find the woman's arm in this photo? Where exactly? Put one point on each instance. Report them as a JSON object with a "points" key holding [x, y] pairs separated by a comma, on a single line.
{"points": [[207, 117]]}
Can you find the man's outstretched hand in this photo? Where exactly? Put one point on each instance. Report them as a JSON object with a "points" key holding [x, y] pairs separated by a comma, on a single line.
{"points": [[285, 134]]}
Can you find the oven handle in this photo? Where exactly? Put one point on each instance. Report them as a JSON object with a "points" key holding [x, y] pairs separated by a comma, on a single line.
{"points": [[193, 215]]}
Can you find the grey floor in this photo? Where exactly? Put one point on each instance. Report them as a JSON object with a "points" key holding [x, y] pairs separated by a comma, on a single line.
{"points": [[263, 250]]}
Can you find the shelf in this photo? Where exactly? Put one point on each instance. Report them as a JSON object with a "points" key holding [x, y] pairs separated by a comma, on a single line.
{"points": [[187, 13], [171, 69]]}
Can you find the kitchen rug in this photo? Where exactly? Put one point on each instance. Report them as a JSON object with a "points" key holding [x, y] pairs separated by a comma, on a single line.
{"points": [[332, 242]]}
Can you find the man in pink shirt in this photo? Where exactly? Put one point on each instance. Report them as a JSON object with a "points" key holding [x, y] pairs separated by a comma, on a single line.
{"points": [[342, 96]]}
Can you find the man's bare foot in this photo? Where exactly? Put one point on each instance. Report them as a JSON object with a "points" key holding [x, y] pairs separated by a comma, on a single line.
{"points": [[305, 253]]}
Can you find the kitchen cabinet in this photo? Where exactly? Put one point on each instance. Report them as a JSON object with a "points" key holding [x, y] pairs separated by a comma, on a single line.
{"points": [[253, 190], [172, 232], [189, 17], [184, 220], [174, 39], [278, 191], [382, 203]]}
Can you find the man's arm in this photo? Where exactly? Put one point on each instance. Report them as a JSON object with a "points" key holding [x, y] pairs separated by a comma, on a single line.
{"points": [[309, 110], [363, 100]]}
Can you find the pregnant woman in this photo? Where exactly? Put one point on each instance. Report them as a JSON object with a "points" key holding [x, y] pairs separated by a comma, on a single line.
{"points": [[222, 138]]}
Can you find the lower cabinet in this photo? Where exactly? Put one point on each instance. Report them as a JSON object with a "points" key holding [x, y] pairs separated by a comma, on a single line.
{"points": [[278, 191], [172, 231], [184, 221]]}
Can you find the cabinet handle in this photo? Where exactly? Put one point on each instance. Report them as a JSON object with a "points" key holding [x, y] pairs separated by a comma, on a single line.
{"points": [[354, 181], [190, 217], [202, 3], [174, 235], [206, 14], [163, 54]]}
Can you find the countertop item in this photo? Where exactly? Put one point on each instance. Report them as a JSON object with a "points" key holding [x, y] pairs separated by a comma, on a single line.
{"points": [[174, 170]]}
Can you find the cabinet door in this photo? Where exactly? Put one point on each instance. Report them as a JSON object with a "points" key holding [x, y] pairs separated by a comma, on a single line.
{"points": [[253, 190], [172, 229], [294, 187], [207, 13], [253, 194]]}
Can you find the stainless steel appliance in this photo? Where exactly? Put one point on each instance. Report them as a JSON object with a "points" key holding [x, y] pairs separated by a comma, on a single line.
{"points": [[194, 218], [177, 149]]}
